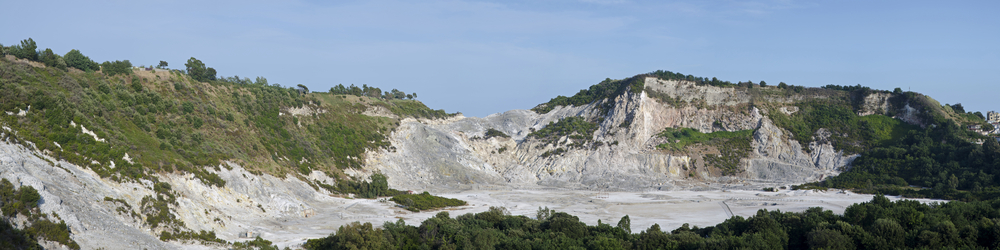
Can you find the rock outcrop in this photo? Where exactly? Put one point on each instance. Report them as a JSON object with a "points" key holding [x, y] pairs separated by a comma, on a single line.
{"points": [[449, 154]]}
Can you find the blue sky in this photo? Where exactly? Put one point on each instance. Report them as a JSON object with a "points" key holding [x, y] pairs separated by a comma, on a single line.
{"points": [[483, 57]]}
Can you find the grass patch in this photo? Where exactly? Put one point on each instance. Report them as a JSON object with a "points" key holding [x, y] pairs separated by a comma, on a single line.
{"points": [[733, 146], [678, 139]]}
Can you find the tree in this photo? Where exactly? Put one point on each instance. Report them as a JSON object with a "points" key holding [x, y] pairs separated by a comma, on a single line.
{"points": [[77, 60], [897, 91], [544, 213], [958, 108], [763, 84], [26, 50], [163, 64], [625, 224], [195, 68], [821, 238], [782, 85], [51, 59], [210, 74], [304, 88]]}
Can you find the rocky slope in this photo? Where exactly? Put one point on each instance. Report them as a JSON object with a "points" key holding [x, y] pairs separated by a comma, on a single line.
{"points": [[446, 154]]}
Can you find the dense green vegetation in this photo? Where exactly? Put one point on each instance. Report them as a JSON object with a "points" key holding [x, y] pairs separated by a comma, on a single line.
{"points": [[848, 131], [879, 224], [667, 75], [167, 121], [255, 244], [24, 201], [373, 92], [605, 89], [574, 127], [13, 238], [413, 108], [941, 161], [186, 121], [425, 201]]}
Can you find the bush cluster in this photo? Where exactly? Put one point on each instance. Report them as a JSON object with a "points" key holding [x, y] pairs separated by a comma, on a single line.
{"points": [[574, 127], [425, 201], [378, 186]]}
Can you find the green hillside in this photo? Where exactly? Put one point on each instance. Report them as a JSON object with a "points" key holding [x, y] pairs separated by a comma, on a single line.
{"points": [[167, 121], [126, 123]]}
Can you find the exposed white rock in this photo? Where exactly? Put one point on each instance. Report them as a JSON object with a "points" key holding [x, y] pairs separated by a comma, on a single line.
{"points": [[443, 154], [91, 133], [127, 159]]}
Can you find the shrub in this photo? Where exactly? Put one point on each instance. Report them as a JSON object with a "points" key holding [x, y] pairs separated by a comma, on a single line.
{"points": [[425, 201], [116, 68], [490, 133]]}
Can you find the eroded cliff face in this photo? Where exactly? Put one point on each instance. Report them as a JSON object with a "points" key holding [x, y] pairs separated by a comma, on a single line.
{"points": [[451, 154]]}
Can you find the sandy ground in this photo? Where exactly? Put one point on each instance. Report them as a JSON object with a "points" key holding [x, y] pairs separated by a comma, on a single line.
{"points": [[670, 209]]}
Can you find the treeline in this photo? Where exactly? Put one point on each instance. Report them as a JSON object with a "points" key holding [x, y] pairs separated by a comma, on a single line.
{"points": [[372, 92], [847, 87], [605, 89], [27, 49], [879, 224], [611, 88]]}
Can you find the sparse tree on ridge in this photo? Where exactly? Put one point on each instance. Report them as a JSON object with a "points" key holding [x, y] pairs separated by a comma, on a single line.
{"points": [[27, 50], [163, 64], [77, 60], [197, 70]]}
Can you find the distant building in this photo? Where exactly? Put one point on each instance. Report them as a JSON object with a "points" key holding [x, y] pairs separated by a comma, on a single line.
{"points": [[992, 117]]}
